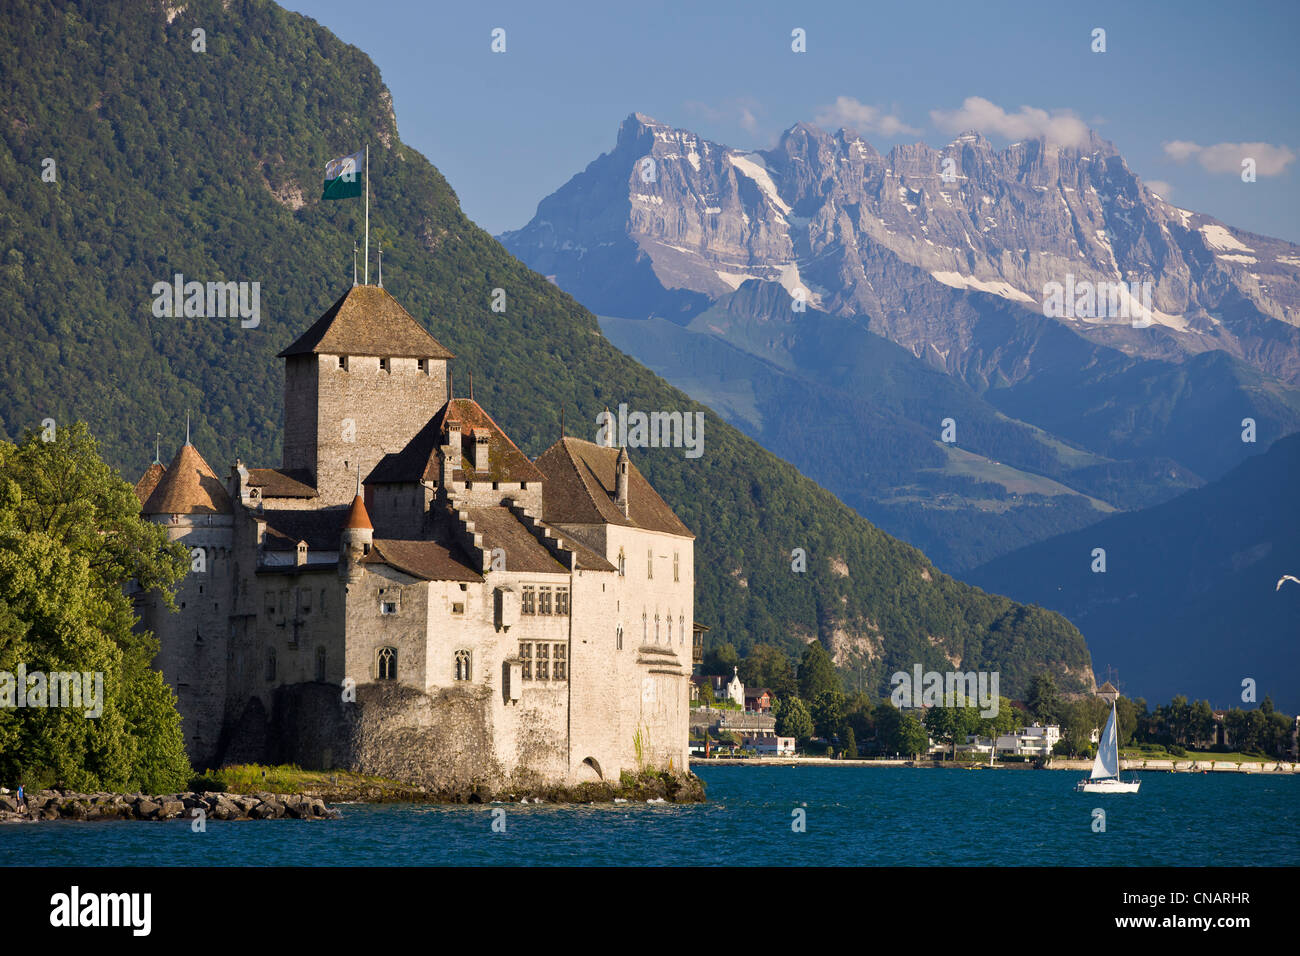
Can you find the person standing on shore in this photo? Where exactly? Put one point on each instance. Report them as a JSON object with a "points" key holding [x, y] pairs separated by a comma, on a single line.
{"points": [[22, 799]]}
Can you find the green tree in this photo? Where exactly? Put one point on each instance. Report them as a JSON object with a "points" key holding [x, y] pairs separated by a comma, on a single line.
{"points": [[912, 738], [767, 665], [706, 693], [1129, 716], [793, 720], [720, 660], [952, 724], [1043, 700], [828, 713], [817, 673], [71, 539], [848, 742]]}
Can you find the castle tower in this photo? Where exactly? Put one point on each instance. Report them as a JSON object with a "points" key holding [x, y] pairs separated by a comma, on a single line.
{"points": [[189, 500], [358, 385], [356, 539]]}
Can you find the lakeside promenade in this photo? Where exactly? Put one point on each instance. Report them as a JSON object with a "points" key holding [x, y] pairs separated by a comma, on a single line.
{"points": [[1056, 763]]}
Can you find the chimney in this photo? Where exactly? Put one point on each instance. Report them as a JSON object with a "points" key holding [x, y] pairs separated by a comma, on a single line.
{"points": [[453, 437], [620, 481]]}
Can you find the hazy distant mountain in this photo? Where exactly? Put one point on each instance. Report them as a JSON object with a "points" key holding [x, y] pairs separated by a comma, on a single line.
{"points": [[1189, 601], [944, 253]]}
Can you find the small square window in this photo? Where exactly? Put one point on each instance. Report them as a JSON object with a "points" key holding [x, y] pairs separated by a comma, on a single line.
{"points": [[458, 608], [422, 364], [343, 362], [388, 607], [385, 365]]}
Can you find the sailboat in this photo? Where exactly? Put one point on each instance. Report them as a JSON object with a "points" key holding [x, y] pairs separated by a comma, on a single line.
{"points": [[1105, 766]]}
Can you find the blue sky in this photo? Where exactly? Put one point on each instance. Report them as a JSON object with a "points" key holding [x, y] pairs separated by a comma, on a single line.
{"points": [[1179, 86]]}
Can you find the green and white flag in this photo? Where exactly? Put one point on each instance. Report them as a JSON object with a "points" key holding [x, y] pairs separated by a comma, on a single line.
{"points": [[343, 176]]}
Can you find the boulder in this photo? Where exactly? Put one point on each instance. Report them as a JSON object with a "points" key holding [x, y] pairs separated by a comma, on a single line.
{"points": [[223, 809], [146, 809], [170, 808]]}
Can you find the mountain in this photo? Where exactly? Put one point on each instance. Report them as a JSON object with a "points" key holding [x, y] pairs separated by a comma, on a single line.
{"points": [[1189, 602], [208, 164], [946, 254]]}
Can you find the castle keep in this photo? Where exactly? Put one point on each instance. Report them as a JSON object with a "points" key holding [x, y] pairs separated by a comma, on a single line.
{"points": [[410, 595]]}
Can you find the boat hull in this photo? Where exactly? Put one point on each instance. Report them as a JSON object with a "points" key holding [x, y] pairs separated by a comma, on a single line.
{"points": [[1107, 786]]}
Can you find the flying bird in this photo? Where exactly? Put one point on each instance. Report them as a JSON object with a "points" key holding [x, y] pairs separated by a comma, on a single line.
{"points": [[1283, 579]]}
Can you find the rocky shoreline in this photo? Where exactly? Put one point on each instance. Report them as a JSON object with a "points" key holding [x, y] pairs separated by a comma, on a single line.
{"points": [[313, 804], [46, 805]]}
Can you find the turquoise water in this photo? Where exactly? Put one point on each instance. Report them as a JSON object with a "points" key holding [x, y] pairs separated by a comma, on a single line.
{"points": [[854, 816]]}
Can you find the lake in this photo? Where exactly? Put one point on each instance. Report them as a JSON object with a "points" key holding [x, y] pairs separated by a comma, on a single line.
{"points": [[852, 815]]}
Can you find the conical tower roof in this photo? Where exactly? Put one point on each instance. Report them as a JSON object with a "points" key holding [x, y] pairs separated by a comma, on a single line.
{"points": [[149, 481], [366, 320], [358, 517], [188, 486]]}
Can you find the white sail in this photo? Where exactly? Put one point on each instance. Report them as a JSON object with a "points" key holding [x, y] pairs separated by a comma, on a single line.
{"points": [[1106, 763]]}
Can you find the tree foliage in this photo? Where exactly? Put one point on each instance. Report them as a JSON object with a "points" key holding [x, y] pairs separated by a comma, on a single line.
{"points": [[71, 538]]}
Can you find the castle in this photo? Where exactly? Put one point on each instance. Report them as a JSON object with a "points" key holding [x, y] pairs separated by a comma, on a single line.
{"points": [[410, 595]]}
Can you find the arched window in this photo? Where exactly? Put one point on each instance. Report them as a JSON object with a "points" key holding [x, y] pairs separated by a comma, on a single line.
{"points": [[645, 628], [622, 564], [681, 630], [670, 629], [320, 664], [618, 637], [270, 663], [462, 665], [656, 627], [677, 566], [386, 663]]}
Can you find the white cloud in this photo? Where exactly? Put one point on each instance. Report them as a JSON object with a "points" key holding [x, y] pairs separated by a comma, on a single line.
{"points": [[846, 111], [1161, 188], [1269, 160], [1061, 127]]}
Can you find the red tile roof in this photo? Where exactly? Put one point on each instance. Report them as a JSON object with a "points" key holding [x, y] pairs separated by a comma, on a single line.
{"points": [[418, 461], [357, 516]]}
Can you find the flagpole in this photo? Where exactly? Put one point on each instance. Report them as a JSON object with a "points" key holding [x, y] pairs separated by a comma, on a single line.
{"points": [[367, 214]]}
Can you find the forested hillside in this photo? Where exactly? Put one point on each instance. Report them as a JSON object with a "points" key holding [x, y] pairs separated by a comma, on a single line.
{"points": [[169, 160]]}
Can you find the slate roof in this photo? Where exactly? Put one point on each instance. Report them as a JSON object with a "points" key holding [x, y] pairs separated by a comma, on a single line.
{"points": [[320, 529], [579, 489], [366, 320], [282, 483], [188, 486], [149, 481], [427, 560], [418, 461]]}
